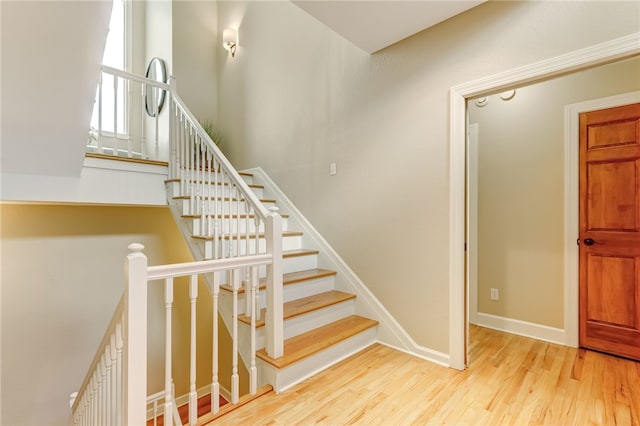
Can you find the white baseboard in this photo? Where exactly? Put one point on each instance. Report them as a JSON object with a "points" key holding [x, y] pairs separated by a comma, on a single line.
{"points": [[522, 328]]}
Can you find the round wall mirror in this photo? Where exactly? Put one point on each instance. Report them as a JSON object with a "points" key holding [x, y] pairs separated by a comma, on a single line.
{"points": [[154, 100]]}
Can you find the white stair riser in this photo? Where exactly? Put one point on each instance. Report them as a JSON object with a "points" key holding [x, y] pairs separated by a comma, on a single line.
{"points": [[300, 263], [294, 264], [307, 322], [312, 320], [290, 292], [217, 207], [248, 246], [299, 371]]}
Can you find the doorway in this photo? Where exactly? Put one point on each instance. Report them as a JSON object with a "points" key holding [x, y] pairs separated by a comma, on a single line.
{"points": [[621, 48], [522, 173]]}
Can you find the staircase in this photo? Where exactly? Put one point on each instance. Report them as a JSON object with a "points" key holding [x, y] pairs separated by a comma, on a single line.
{"points": [[291, 305], [321, 325]]}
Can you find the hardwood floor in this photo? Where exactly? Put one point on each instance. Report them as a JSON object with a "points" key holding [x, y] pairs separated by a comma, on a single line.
{"points": [[512, 380]]}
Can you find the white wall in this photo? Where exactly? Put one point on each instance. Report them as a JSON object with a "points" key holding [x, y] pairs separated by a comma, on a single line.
{"points": [[297, 96]]}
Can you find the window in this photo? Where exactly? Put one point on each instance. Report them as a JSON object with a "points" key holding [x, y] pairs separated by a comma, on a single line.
{"points": [[115, 54]]}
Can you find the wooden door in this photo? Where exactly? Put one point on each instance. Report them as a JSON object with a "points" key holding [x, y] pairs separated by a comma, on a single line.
{"points": [[610, 230]]}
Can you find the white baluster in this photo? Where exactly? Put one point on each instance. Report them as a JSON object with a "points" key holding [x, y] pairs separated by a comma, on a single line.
{"points": [[127, 119], [107, 387], [192, 165], [193, 396], [235, 281], [100, 148], [247, 231], [156, 118], [247, 294], [143, 110], [168, 399], [115, 115], [155, 412], [114, 379], [239, 209], [102, 392], [215, 386], [253, 370], [119, 375], [211, 200], [256, 242], [182, 156], [94, 398]]}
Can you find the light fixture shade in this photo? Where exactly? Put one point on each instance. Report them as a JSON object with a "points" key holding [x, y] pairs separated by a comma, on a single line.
{"points": [[230, 40]]}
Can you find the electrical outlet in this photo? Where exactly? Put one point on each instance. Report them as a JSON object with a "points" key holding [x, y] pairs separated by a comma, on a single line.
{"points": [[333, 169], [495, 294]]}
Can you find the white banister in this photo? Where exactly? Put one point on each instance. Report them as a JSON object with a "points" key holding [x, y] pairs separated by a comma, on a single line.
{"points": [[241, 235]]}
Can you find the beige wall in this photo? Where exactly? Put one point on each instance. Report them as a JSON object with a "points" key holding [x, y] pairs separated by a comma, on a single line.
{"points": [[521, 193], [195, 46], [62, 276], [297, 96]]}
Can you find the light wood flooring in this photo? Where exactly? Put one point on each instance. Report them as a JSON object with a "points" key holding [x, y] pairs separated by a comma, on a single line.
{"points": [[512, 380]]}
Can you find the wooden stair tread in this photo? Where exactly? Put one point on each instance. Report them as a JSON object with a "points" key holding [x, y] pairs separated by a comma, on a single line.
{"points": [[227, 408], [244, 236], [290, 278], [287, 254], [304, 305], [314, 341]]}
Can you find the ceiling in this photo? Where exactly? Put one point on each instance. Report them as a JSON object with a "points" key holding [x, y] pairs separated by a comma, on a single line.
{"points": [[374, 25]]}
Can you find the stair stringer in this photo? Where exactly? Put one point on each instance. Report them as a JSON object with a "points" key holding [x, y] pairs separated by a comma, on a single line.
{"points": [[390, 332]]}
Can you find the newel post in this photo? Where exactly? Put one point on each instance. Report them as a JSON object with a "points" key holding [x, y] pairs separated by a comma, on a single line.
{"points": [[135, 337], [274, 322]]}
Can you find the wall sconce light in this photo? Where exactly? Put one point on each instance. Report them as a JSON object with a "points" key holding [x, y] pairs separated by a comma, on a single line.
{"points": [[230, 40]]}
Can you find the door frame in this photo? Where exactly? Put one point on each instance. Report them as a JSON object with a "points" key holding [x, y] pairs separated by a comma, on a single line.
{"points": [[619, 48]]}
